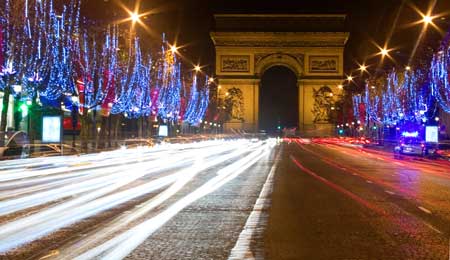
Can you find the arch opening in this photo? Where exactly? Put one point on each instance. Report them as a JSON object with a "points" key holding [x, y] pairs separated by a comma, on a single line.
{"points": [[278, 99]]}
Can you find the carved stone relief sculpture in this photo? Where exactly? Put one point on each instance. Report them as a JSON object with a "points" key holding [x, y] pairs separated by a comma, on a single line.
{"points": [[235, 63], [323, 101]]}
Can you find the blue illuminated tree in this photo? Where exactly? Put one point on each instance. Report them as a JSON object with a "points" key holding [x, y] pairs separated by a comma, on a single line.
{"points": [[440, 76], [36, 50], [169, 85]]}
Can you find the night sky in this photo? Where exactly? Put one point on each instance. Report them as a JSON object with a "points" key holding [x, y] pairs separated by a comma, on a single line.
{"points": [[188, 23]]}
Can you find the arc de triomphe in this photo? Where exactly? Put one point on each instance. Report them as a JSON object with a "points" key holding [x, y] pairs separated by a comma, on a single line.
{"points": [[311, 46]]}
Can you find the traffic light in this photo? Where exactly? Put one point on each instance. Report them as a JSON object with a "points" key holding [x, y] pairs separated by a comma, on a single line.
{"points": [[24, 109], [374, 127], [279, 127], [341, 131]]}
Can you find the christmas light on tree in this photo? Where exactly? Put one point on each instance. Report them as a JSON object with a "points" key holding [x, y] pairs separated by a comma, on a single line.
{"points": [[439, 74]]}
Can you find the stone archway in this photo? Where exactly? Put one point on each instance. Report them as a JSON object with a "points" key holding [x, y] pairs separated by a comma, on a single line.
{"points": [[293, 62], [249, 44], [278, 99]]}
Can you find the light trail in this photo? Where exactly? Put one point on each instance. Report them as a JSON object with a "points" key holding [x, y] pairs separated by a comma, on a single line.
{"points": [[122, 221], [122, 245], [9, 206], [87, 189]]}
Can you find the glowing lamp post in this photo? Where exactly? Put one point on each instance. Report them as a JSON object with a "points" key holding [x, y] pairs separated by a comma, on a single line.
{"points": [[427, 19], [384, 52], [134, 17]]}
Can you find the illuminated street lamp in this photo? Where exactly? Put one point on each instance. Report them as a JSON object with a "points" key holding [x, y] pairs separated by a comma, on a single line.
{"points": [[408, 68], [197, 68], [173, 48], [427, 19], [134, 17], [349, 78], [363, 68], [384, 52]]}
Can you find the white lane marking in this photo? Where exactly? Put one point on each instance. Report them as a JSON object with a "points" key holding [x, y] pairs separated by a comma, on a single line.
{"points": [[255, 224], [424, 209], [389, 192], [433, 228]]}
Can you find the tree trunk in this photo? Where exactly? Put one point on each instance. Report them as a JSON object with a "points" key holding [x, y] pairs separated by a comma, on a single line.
{"points": [[102, 133], [84, 133], [139, 125], [5, 105], [17, 115], [94, 131], [116, 127]]}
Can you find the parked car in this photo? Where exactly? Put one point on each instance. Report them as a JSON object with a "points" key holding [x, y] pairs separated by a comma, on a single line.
{"points": [[46, 150], [15, 145], [411, 146], [443, 150]]}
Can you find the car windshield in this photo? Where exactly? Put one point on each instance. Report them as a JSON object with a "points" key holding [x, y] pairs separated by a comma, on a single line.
{"points": [[411, 140]]}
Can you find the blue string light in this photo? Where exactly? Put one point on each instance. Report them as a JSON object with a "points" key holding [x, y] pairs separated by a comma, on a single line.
{"points": [[439, 72], [55, 59], [403, 99], [189, 116]]}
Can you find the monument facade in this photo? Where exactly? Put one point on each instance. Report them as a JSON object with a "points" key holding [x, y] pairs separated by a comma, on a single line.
{"points": [[311, 46]]}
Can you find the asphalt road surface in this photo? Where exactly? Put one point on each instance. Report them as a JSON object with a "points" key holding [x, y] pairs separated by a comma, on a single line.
{"points": [[240, 199]]}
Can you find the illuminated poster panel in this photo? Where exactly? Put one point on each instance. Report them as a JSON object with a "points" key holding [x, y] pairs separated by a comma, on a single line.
{"points": [[163, 131], [51, 129], [431, 134]]}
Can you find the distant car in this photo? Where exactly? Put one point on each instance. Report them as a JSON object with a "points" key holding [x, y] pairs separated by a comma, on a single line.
{"points": [[443, 150], [411, 146], [134, 143]]}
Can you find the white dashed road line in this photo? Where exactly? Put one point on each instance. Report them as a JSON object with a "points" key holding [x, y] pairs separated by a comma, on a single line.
{"points": [[389, 192], [255, 224], [424, 210]]}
